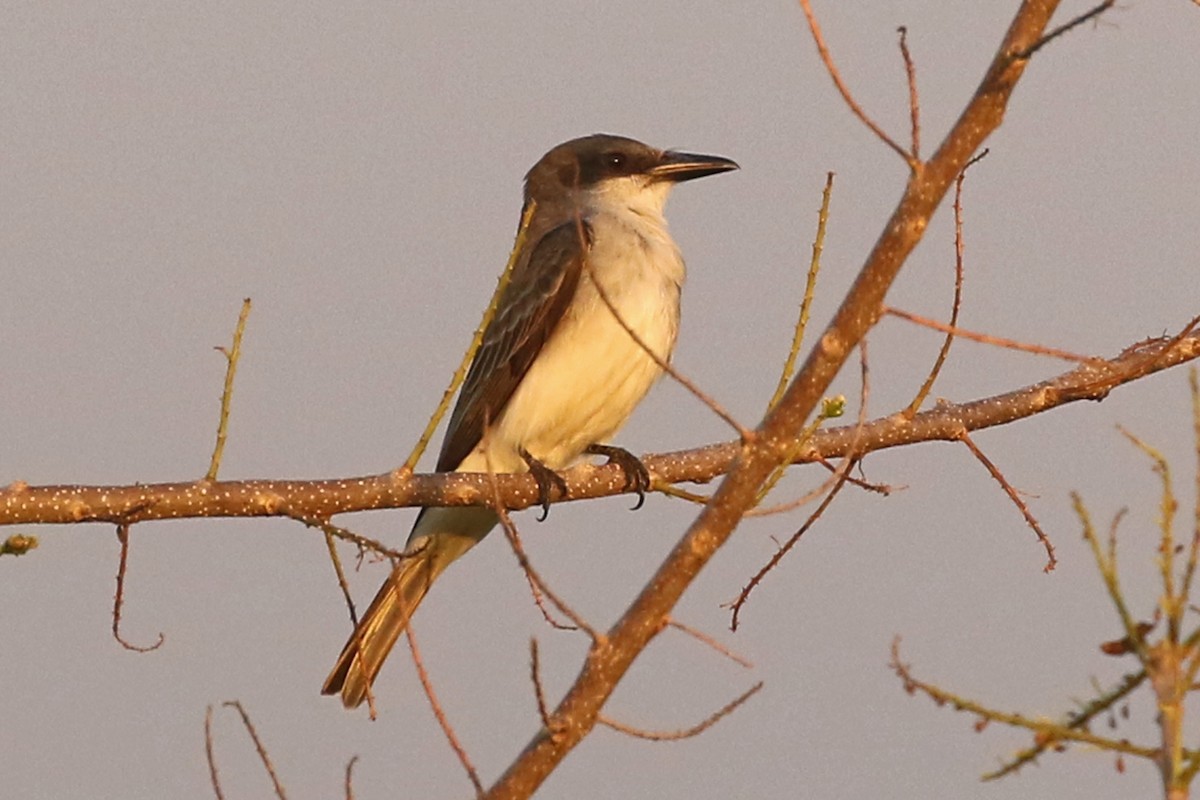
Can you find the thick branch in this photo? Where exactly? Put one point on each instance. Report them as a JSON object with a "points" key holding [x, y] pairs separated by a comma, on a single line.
{"points": [[21, 504], [609, 659]]}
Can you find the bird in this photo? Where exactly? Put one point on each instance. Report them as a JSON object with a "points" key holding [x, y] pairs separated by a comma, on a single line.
{"points": [[557, 372]]}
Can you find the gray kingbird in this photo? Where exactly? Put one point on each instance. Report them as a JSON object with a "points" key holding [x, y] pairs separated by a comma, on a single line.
{"points": [[556, 374]]}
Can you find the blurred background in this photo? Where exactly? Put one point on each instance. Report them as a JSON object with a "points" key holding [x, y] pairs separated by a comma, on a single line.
{"points": [[356, 170]]}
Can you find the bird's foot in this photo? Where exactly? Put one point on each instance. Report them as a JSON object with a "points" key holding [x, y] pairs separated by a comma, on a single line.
{"points": [[547, 480], [637, 477]]}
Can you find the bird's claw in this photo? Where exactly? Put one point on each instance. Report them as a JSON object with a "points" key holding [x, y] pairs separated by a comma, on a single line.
{"points": [[547, 480], [637, 477]]}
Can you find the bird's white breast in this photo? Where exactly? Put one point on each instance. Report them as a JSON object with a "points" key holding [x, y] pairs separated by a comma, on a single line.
{"points": [[591, 373]]}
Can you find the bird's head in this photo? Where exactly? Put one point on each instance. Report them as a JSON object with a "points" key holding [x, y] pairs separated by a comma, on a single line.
{"points": [[614, 169]]}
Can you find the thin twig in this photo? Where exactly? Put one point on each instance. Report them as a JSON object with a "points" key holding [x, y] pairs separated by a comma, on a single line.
{"points": [[673, 490], [535, 674], [810, 288], [331, 531], [797, 502], [460, 374], [442, 721], [1048, 732], [232, 356], [914, 105], [783, 549], [539, 599], [343, 584], [364, 543], [685, 733], [884, 489], [1194, 548], [857, 110], [1030, 520], [258, 745], [1112, 536], [999, 341], [744, 433], [119, 597], [349, 783], [839, 478], [1064, 28], [831, 408], [1171, 601], [1107, 564], [514, 541], [1079, 719], [704, 638], [944, 351], [210, 756]]}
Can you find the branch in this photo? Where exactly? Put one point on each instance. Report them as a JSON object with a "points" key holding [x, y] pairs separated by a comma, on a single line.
{"points": [[22, 504], [609, 659], [232, 356]]}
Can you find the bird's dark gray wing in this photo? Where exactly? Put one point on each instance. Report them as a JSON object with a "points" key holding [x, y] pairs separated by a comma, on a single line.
{"points": [[531, 307]]}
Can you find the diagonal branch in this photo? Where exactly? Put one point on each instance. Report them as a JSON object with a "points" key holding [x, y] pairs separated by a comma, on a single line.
{"points": [[609, 659]]}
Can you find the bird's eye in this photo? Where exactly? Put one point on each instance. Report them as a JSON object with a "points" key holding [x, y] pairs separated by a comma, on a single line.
{"points": [[615, 161]]}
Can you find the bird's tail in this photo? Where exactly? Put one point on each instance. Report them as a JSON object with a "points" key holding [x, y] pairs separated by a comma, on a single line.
{"points": [[386, 618]]}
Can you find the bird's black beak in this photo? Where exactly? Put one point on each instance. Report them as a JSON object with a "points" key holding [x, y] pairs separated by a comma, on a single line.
{"points": [[676, 167]]}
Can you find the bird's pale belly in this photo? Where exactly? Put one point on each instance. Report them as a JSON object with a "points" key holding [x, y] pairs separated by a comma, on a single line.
{"points": [[589, 377]]}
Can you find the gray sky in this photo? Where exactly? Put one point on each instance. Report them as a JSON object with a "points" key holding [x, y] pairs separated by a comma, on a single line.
{"points": [[356, 171]]}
